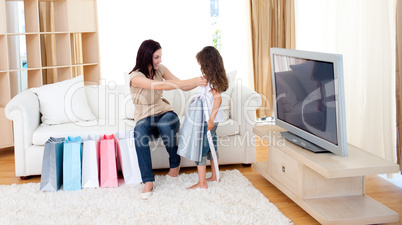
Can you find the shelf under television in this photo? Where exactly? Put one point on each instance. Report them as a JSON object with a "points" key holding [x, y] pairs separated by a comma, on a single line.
{"points": [[329, 187], [330, 165]]}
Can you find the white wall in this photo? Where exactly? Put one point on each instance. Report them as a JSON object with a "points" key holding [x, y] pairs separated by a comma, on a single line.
{"points": [[124, 24], [363, 31], [182, 27]]}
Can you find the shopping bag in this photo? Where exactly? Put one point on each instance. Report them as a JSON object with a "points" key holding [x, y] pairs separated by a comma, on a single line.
{"points": [[128, 157], [72, 163], [90, 162], [210, 141], [108, 166], [192, 132], [52, 165]]}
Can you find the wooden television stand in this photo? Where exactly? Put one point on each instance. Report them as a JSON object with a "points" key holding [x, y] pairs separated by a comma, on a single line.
{"points": [[330, 188]]}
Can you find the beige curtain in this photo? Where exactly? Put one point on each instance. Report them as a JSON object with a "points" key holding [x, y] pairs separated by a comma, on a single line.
{"points": [[398, 81], [272, 25], [48, 42]]}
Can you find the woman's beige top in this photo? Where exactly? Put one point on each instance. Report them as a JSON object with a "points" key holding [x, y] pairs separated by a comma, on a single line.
{"points": [[148, 102]]}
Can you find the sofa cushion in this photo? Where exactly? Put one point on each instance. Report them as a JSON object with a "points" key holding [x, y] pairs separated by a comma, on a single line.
{"points": [[43, 132], [226, 95], [127, 106], [101, 127], [228, 128], [64, 102]]}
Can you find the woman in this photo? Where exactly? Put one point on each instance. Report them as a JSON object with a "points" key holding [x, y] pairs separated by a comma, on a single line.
{"points": [[153, 115]]}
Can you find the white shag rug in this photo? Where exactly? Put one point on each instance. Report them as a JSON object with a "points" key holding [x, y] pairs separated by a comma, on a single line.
{"points": [[234, 200]]}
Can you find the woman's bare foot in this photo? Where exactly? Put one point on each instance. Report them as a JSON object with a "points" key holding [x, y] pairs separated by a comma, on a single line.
{"points": [[199, 185], [148, 186], [174, 172]]}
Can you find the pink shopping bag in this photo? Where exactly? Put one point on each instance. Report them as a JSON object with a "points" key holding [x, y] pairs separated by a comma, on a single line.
{"points": [[108, 166]]}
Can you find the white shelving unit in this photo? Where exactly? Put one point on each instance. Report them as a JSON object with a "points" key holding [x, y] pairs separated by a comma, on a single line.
{"points": [[65, 31]]}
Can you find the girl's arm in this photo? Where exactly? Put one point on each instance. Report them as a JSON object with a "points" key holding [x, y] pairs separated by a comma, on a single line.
{"points": [[215, 108]]}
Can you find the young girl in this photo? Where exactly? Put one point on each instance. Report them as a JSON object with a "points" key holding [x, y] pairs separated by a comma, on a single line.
{"points": [[211, 65]]}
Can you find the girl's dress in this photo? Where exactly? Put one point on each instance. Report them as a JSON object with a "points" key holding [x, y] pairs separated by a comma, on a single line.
{"points": [[192, 132]]}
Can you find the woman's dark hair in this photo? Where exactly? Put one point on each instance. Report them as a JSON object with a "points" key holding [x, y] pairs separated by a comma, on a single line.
{"points": [[212, 67], [144, 57]]}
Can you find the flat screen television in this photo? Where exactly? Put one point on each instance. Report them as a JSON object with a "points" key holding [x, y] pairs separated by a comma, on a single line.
{"points": [[309, 99]]}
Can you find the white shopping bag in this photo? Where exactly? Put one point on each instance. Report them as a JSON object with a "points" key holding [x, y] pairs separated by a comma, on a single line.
{"points": [[90, 162], [128, 157], [211, 143], [214, 156]]}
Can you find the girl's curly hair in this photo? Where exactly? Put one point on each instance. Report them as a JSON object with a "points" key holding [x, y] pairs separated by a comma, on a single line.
{"points": [[212, 68]]}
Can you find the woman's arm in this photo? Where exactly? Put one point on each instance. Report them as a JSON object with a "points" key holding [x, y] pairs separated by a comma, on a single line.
{"points": [[143, 82], [171, 82], [215, 108], [169, 76]]}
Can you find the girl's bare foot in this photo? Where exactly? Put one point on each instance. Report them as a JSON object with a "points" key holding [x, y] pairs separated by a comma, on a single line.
{"points": [[212, 179], [174, 172], [199, 185]]}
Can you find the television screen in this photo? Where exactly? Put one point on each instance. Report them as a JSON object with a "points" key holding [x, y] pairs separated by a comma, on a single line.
{"points": [[308, 98]]}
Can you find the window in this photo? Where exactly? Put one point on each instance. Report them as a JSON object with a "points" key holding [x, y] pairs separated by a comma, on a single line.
{"points": [[182, 28]]}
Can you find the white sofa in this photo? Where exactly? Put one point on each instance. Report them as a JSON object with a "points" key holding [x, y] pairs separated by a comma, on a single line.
{"points": [[109, 103]]}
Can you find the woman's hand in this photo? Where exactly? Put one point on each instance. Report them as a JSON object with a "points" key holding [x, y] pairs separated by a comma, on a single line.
{"points": [[193, 83], [200, 81], [211, 124]]}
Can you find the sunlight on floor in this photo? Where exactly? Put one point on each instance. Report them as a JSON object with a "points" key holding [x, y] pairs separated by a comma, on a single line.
{"points": [[395, 178]]}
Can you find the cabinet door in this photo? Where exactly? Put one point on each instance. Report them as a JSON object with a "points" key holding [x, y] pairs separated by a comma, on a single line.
{"points": [[284, 169]]}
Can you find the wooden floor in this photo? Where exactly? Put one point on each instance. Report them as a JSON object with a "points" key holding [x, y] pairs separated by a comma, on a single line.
{"points": [[377, 188]]}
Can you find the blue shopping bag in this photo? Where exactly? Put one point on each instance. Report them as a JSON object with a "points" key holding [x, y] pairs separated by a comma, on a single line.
{"points": [[72, 160], [52, 165]]}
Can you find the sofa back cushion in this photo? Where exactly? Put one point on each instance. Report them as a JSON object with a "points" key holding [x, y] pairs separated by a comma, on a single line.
{"points": [[64, 102], [107, 102], [114, 102]]}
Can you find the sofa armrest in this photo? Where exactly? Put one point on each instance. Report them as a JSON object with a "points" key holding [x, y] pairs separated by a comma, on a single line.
{"points": [[23, 110], [243, 105]]}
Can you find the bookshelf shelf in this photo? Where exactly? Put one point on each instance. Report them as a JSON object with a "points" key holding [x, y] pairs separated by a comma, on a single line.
{"points": [[42, 42]]}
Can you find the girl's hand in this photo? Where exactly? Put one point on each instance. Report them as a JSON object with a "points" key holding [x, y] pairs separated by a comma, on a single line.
{"points": [[211, 124]]}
